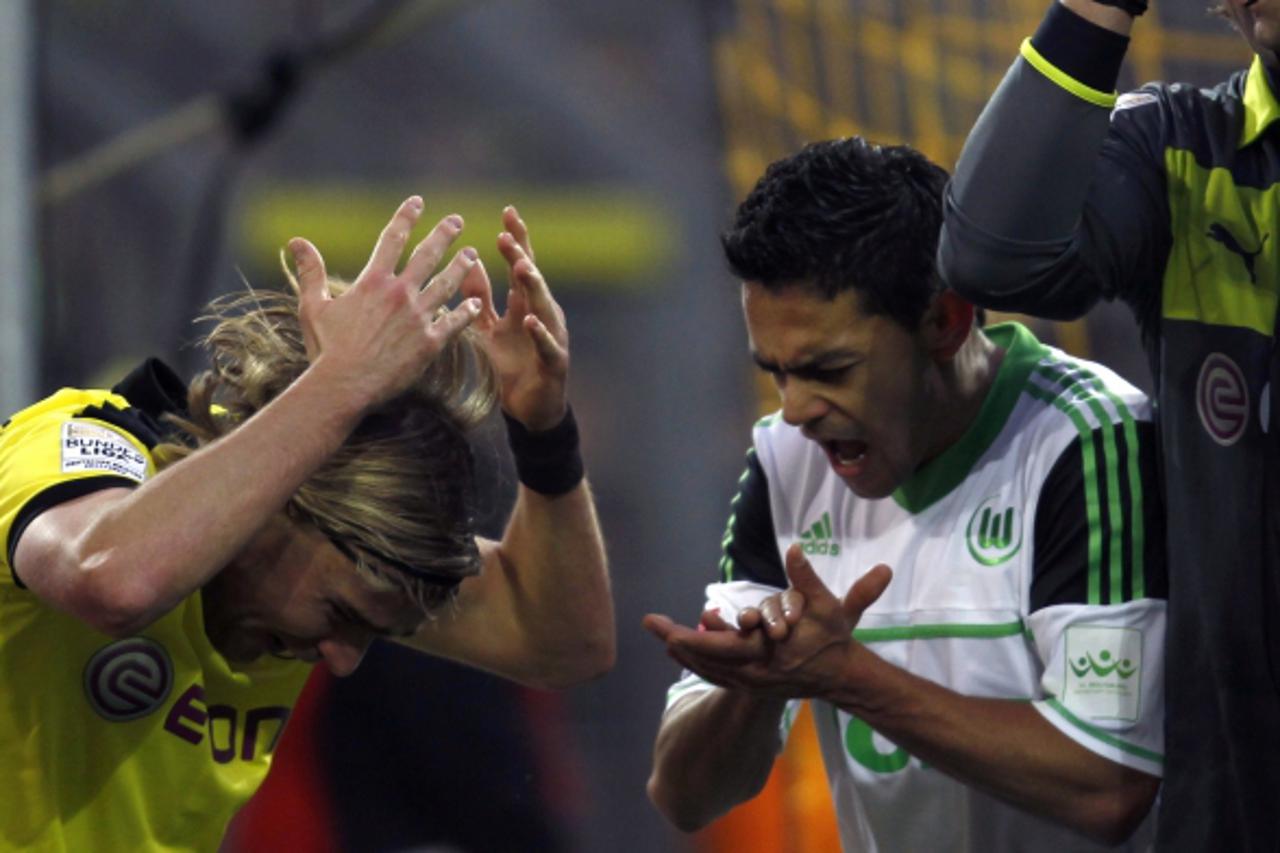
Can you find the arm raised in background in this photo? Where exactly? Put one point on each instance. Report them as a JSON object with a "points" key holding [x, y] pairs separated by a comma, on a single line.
{"points": [[540, 611], [120, 558], [1053, 205]]}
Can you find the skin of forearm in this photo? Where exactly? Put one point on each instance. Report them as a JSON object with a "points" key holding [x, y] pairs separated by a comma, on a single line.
{"points": [[1002, 747], [553, 554], [170, 536], [714, 750]]}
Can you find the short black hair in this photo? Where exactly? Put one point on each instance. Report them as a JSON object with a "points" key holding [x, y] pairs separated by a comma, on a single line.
{"points": [[845, 214]]}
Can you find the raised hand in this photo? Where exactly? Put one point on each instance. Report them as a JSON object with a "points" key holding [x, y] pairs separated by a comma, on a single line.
{"points": [[795, 644], [375, 338], [528, 344]]}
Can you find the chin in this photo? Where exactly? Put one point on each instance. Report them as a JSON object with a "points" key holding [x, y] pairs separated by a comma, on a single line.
{"points": [[869, 490]]}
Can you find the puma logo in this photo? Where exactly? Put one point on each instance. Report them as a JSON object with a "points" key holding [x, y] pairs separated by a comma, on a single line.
{"points": [[1220, 233]]}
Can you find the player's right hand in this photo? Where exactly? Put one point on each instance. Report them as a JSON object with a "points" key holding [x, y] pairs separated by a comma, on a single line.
{"points": [[375, 339]]}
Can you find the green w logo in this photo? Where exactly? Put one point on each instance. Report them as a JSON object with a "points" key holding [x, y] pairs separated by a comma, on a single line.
{"points": [[817, 539], [994, 533]]}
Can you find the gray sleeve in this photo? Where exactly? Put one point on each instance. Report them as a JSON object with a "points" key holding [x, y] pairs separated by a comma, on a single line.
{"points": [[1051, 206]]}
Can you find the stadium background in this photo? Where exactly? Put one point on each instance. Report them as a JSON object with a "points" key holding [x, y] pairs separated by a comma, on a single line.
{"points": [[154, 152]]}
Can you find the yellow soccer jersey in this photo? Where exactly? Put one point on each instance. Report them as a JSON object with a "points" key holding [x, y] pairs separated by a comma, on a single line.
{"points": [[146, 743]]}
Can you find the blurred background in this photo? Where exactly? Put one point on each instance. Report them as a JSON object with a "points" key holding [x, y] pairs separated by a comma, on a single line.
{"points": [[156, 153]]}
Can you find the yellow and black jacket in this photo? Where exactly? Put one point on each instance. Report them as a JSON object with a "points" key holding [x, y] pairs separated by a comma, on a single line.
{"points": [[1165, 198]]}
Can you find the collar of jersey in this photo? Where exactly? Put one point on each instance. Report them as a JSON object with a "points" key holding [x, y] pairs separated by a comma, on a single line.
{"points": [[1260, 106], [936, 478]]}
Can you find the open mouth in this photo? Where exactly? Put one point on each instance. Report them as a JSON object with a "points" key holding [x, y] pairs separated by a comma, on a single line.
{"points": [[847, 452]]}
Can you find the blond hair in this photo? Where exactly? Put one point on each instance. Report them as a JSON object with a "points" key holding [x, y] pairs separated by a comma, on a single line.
{"points": [[398, 495]]}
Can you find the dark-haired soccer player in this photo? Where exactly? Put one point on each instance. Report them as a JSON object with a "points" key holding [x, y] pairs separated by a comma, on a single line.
{"points": [[174, 560], [1000, 689]]}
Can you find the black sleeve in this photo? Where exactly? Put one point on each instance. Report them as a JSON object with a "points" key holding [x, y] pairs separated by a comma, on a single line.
{"points": [[1055, 203], [1100, 527], [750, 549]]}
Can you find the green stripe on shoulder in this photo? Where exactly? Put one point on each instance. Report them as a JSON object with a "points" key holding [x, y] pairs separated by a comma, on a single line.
{"points": [[1076, 390]]}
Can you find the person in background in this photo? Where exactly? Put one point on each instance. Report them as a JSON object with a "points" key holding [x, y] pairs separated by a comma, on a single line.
{"points": [[1165, 198]]}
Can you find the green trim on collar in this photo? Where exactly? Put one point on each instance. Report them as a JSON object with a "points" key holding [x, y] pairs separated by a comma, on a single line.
{"points": [[1260, 106], [937, 477]]}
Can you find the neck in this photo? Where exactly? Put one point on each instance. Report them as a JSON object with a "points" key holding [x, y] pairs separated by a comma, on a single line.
{"points": [[964, 382]]}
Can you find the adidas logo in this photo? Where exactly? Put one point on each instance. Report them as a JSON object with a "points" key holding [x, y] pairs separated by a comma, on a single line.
{"points": [[817, 539]]}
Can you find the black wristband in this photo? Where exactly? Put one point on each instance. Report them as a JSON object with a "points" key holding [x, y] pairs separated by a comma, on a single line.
{"points": [[1081, 49], [1133, 8], [549, 462]]}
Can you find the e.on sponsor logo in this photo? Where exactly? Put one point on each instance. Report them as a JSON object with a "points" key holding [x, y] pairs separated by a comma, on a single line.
{"points": [[230, 733]]}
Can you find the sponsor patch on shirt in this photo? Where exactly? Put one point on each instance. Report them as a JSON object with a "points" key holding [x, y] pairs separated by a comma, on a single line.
{"points": [[93, 447], [1104, 672], [1129, 100]]}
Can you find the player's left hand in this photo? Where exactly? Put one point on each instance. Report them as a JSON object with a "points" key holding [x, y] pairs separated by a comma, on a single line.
{"points": [[796, 644], [529, 343]]}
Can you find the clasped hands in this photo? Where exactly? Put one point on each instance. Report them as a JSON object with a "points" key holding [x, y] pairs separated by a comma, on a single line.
{"points": [[797, 643]]}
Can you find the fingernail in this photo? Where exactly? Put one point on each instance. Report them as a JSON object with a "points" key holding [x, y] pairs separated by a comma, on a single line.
{"points": [[473, 305], [455, 220], [470, 253], [415, 202]]}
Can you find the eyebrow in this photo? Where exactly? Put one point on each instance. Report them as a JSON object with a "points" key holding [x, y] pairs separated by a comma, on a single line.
{"points": [[822, 361]]}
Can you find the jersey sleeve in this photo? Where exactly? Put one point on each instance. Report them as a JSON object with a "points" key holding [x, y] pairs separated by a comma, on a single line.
{"points": [[67, 446], [1058, 197], [750, 548], [1097, 600]]}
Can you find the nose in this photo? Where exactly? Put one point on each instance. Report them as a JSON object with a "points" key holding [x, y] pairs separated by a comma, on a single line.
{"points": [[343, 654], [800, 405]]}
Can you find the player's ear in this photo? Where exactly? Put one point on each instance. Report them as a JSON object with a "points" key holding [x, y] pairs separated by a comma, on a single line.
{"points": [[946, 324]]}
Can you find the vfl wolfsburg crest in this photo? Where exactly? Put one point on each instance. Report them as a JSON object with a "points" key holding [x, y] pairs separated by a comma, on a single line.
{"points": [[994, 533], [817, 539]]}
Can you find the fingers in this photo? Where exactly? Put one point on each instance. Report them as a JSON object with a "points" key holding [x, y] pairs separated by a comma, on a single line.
{"points": [[801, 574], [549, 350], [866, 590], [526, 277], [430, 250], [792, 605], [722, 646], [313, 282], [713, 621], [476, 284], [392, 240], [776, 626], [444, 327], [659, 625], [516, 228], [446, 283]]}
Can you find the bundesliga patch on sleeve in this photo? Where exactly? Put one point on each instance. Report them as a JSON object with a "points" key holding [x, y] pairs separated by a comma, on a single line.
{"points": [[1129, 100], [1104, 672], [90, 447]]}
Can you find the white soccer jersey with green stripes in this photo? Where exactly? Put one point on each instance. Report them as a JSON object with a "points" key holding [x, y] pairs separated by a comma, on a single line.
{"points": [[1028, 566]]}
